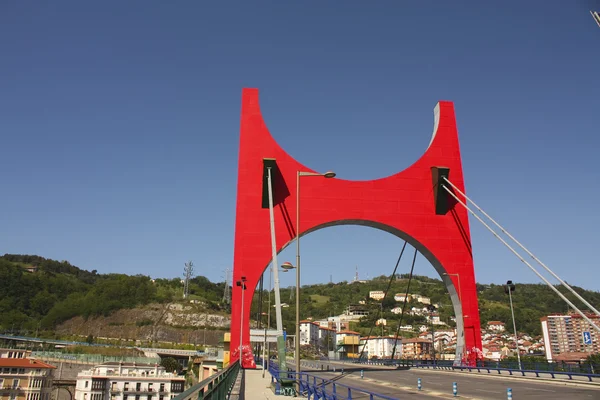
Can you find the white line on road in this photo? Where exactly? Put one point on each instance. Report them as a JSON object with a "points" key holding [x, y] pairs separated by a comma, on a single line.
{"points": [[539, 390], [487, 391]]}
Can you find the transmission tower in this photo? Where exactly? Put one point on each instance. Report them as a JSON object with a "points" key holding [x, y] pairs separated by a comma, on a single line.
{"points": [[226, 297], [188, 271]]}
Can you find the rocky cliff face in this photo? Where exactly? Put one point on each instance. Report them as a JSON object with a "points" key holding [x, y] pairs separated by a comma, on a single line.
{"points": [[174, 322]]}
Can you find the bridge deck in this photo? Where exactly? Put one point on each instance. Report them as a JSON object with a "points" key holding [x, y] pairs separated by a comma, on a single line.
{"points": [[259, 388]]}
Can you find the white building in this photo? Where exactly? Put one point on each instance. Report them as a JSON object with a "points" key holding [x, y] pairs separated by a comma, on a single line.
{"points": [[402, 297], [309, 333], [127, 381], [381, 347], [376, 294], [496, 326]]}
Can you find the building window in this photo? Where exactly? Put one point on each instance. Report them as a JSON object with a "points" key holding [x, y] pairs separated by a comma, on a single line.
{"points": [[162, 388], [150, 387], [87, 383], [138, 387], [126, 387], [15, 383]]}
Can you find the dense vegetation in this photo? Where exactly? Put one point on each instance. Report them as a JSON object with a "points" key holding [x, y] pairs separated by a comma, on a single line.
{"points": [[531, 302], [58, 291]]}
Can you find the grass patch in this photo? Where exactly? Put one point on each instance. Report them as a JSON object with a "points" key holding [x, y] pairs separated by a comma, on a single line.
{"points": [[319, 299]]}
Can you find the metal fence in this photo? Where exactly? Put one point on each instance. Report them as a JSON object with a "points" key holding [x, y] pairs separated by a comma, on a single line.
{"points": [[91, 358], [216, 387]]}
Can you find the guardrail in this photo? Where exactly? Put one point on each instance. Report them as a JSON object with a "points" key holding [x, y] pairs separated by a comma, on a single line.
{"points": [[215, 387], [553, 369], [522, 372], [316, 387]]}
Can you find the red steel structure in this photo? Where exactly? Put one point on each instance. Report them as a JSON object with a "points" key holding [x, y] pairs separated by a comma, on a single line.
{"points": [[408, 204]]}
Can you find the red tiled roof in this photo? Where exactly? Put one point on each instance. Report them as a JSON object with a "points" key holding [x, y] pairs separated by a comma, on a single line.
{"points": [[23, 363]]}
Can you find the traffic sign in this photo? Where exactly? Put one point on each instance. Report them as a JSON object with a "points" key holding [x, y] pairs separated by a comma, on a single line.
{"points": [[587, 338]]}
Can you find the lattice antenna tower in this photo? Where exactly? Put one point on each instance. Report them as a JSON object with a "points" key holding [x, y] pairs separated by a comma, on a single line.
{"points": [[188, 272], [356, 274], [226, 296]]}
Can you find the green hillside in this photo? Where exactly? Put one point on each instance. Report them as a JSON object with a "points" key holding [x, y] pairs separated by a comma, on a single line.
{"points": [[531, 302], [57, 291]]}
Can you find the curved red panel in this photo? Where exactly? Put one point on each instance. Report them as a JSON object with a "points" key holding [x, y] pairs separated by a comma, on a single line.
{"points": [[401, 203]]}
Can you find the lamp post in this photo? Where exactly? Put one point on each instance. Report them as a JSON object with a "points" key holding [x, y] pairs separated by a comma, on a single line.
{"points": [[300, 174], [242, 284], [508, 289], [431, 308]]}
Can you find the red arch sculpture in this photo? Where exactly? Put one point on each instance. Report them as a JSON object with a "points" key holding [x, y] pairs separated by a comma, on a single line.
{"points": [[403, 204]]}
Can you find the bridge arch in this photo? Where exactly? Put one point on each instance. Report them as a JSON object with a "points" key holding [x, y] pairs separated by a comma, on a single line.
{"points": [[406, 204], [452, 289]]}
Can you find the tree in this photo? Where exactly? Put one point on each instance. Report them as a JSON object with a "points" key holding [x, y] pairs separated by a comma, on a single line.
{"points": [[170, 364]]}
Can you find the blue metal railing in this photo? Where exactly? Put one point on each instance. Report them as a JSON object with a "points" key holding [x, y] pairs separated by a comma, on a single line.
{"points": [[569, 370], [315, 387], [216, 387]]}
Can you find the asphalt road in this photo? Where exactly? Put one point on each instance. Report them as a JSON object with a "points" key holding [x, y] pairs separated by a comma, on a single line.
{"points": [[438, 384]]}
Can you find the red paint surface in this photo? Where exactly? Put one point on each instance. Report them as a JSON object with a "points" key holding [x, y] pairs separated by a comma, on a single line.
{"points": [[402, 203]]}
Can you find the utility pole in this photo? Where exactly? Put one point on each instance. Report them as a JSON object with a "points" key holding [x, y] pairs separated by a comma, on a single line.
{"points": [[188, 271], [432, 309], [509, 288]]}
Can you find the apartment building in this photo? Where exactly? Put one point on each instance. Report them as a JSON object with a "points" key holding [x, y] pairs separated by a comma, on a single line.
{"points": [[25, 379], [309, 333], [416, 348], [381, 347], [14, 353], [127, 381], [376, 294], [569, 334]]}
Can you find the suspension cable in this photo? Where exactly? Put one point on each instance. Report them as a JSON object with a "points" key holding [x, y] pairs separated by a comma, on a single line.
{"points": [[410, 276], [524, 248], [384, 296], [524, 261]]}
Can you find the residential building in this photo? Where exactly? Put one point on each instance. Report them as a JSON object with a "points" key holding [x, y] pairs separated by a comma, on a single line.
{"points": [[569, 334], [25, 379], [376, 294], [127, 381], [309, 333], [381, 347], [14, 353], [402, 297], [496, 326], [357, 310], [327, 338], [416, 348], [421, 299], [348, 344]]}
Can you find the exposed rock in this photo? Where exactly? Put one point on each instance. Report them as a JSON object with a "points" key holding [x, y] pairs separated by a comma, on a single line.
{"points": [[174, 322]]}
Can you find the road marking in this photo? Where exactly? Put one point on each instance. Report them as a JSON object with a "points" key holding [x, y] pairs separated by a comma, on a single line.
{"points": [[540, 390], [487, 391]]}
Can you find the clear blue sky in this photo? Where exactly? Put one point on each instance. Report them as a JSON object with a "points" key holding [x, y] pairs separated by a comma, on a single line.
{"points": [[119, 124]]}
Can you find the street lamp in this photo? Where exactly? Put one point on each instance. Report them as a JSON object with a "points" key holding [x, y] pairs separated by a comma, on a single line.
{"points": [[508, 289], [328, 174], [431, 308], [242, 284]]}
